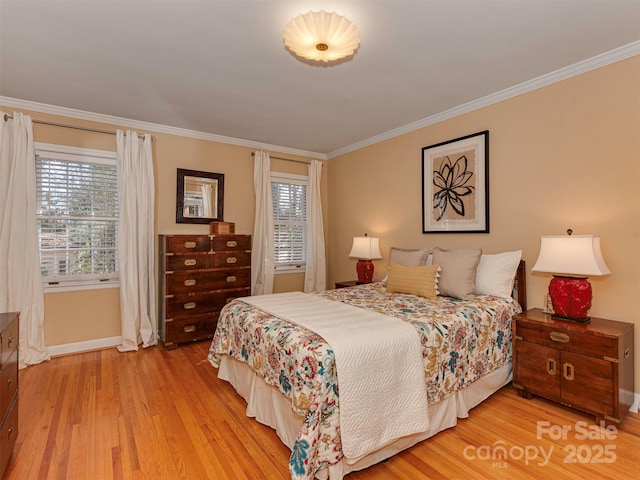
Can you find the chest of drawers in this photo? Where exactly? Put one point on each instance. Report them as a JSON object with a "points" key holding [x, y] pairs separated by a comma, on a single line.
{"points": [[199, 274], [9, 325]]}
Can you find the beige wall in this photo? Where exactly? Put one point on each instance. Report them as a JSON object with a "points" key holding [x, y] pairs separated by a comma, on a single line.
{"points": [[72, 317], [567, 155]]}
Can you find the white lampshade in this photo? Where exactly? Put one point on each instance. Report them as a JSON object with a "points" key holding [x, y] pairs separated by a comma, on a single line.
{"points": [[571, 255], [365, 248], [321, 36]]}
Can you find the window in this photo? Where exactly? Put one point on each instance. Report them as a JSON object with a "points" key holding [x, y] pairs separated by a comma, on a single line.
{"points": [[77, 214], [289, 221]]}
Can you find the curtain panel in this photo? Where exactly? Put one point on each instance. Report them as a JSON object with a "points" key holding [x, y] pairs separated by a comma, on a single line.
{"points": [[262, 250], [315, 277], [136, 242], [21, 287]]}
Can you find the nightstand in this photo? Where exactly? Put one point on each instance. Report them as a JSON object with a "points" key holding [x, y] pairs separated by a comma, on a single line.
{"points": [[348, 283], [585, 366]]}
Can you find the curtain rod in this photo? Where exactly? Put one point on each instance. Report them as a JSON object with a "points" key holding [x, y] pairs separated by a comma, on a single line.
{"points": [[253, 154], [64, 125]]}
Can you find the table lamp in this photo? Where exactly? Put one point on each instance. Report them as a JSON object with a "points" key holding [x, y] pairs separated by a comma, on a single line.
{"points": [[365, 249], [572, 258]]}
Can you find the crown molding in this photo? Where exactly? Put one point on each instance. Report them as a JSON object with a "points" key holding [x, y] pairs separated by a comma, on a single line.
{"points": [[579, 68], [147, 126]]}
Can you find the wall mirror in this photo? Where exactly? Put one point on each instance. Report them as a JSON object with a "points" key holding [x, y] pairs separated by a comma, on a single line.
{"points": [[200, 197]]}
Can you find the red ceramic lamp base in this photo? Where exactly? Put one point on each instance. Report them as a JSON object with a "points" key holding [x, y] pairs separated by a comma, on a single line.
{"points": [[571, 298], [365, 271]]}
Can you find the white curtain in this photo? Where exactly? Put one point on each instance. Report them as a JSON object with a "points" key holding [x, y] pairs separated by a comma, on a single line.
{"points": [[206, 199], [21, 287], [136, 241], [262, 251], [315, 277]]}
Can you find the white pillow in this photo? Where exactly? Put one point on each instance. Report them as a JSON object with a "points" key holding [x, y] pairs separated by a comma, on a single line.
{"points": [[496, 273]]}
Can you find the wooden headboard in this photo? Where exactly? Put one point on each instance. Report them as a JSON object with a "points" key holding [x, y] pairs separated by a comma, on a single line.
{"points": [[520, 285]]}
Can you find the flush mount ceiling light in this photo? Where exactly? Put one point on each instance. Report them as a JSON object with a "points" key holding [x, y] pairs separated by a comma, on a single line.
{"points": [[321, 36]]}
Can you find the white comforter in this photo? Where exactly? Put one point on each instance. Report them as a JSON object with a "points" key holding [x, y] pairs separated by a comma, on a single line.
{"points": [[379, 363]]}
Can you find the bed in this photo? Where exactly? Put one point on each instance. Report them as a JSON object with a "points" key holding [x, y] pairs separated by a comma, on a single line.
{"points": [[287, 373]]}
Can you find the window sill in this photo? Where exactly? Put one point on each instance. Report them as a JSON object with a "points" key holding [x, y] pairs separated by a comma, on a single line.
{"points": [[80, 286]]}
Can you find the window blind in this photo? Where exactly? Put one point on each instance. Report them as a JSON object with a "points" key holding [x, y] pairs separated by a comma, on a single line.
{"points": [[289, 222], [77, 214]]}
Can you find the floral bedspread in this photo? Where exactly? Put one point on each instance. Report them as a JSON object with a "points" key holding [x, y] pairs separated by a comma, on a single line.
{"points": [[461, 341]]}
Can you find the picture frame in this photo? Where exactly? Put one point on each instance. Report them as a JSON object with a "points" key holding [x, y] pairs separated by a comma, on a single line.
{"points": [[455, 185]]}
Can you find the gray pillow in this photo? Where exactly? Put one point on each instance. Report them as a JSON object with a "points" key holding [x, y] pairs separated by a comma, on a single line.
{"points": [[457, 271], [408, 257]]}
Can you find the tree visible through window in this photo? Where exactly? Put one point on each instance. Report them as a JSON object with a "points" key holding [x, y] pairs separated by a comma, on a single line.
{"points": [[77, 213], [289, 221]]}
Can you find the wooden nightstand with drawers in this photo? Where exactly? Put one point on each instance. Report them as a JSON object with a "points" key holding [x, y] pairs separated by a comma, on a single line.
{"points": [[585, 366]]}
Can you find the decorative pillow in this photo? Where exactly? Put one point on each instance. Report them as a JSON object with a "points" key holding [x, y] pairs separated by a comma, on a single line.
{"points": [[496, 273], [458, 271], [407, 257], [421, 280]]}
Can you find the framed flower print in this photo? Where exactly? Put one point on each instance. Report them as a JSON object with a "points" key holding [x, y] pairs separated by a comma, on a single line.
{"points": [[455, 185]]}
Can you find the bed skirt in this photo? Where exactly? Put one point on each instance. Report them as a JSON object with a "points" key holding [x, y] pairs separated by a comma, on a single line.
{"points": [[270, 407]]}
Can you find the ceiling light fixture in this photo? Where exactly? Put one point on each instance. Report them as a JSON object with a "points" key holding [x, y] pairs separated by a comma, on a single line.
{"points": [[321, 36]]}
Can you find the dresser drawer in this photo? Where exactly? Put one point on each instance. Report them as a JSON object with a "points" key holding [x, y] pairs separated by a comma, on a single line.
{"points": [[8, 382], [230, 259], [9, 340], [194, 261], [199, 281], [188, 329], [184, 305], [8, 435], [187, 243], [569, 339], [230, 243]]}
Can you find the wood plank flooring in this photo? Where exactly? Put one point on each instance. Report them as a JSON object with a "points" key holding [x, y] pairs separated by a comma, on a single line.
{"points": [[162, 414]]}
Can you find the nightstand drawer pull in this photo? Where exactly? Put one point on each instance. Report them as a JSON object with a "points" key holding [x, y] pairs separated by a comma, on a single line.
{"points": [[189, 328], [190, 244], [190, 262], [559, 337], [567, 371], [231, 279], [190, 282], [190, 306], [232, 260], [230, 299], [551, 366], [627, 352], [232, 244]]}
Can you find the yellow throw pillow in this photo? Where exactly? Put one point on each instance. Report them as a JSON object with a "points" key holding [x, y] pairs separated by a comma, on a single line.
{"points": [[421, 280]]}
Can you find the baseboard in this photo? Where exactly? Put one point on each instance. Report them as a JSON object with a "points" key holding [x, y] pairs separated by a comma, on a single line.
{"points": [[68, 348]]}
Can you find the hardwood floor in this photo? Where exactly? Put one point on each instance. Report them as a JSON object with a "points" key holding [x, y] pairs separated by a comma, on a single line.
{"points": [[162, 414]]}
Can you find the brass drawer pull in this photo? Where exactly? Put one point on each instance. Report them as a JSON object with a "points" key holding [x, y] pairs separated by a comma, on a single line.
{"points": [[232, 260], [9, 433], [9, 383], [10, 341], [189, 282], [232, 244], [190, 262], [559, 337], [551, 366], [189, 328], [231, 279], [567, 371], [190, 244], [190, 306], [627, 352]]}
